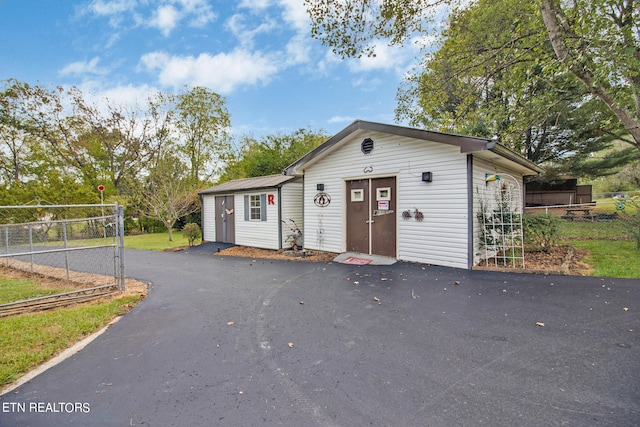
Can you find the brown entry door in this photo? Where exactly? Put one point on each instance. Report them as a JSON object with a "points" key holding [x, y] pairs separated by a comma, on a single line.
{"points": [[225, 219], [371, 216]]}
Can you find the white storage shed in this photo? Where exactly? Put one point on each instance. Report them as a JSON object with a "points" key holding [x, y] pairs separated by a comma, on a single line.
{"points": [[255, 212], [401, 192]]}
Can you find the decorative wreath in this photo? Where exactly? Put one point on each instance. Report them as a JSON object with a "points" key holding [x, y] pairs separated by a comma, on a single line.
{"points": [[419, 215], [406, 215]]}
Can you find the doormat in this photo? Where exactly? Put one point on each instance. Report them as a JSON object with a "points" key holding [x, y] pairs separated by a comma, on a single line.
{"points": [[356, 261]]}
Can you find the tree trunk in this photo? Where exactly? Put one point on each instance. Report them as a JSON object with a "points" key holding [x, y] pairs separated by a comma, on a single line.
{"points": [[170, 229], [559, 32]]}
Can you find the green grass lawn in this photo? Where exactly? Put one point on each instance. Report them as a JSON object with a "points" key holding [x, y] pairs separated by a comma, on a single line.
{"points": [[607, 205], [592, 230], [19, 289], [147, 241], [612, 258], [155, 241], [612, 252]]}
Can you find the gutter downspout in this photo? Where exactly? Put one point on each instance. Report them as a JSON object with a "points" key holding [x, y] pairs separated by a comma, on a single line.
{"points": [[280, 217], [201, 197], [304, 224], [470, 213]]}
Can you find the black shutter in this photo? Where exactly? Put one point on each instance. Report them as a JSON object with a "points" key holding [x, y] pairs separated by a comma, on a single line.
{"points": [[263, 207]]}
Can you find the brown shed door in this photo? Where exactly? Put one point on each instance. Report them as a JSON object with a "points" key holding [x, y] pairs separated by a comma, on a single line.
{"points": [[225, 219], [371, 216], [358, 216]]}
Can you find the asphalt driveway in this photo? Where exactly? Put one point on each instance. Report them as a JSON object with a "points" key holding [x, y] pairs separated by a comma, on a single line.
{"points": [[402, 345]]}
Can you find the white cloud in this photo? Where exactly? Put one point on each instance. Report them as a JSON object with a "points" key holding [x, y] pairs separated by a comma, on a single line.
{"points": [[168, 16], [297, 50], [296, 14], [115, 10], [387, 58], [367, 84], [236, 24], [255, 5], [223, 72], [82, 67], [129, 95], [200, 12], [165, 18], [341, 119], [110, 8], [328, 63]]}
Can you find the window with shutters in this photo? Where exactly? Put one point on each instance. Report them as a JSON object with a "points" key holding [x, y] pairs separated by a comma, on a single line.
{"points": [[254, 207]]}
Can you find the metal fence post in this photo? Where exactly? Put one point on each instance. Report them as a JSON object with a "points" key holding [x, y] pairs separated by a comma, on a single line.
{"points": [[31, 246], [6, 242], [66, 254], [120, 237]]}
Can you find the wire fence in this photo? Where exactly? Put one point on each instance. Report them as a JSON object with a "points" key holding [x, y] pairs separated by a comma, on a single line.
{"points": [[594, 221], [82, 245]]}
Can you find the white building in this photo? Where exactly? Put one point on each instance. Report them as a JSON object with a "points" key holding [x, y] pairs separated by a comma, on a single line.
{"points": [[401, 192], [253, 212]]}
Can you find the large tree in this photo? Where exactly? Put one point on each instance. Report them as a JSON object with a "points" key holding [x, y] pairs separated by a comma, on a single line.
{"points": [[90, 143], [16, 142], [125, 141], [270, 155], [202, 121], [150, 157], [108, 143], [169, 194], [487, 79], [597, 41]]}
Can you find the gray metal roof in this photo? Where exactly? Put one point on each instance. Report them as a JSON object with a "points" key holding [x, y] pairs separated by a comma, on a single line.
{"points": [[269, 181], [467, 144]]}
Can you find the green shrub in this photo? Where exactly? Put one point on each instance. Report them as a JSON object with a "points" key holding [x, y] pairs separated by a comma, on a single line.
{"points": [[150, 225], [632, 219], [192, 232], [541, 231]]}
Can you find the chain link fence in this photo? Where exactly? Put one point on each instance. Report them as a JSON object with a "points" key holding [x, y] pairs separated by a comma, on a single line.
{"points": [[80, 244], [614, 221]]}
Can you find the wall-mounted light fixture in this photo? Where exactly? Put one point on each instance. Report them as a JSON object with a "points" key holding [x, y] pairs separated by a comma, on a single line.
{"points": [[427, 176], [320, 187]]}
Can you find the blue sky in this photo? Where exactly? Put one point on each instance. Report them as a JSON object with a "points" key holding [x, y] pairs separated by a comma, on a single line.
{"points": [[256, 53]]}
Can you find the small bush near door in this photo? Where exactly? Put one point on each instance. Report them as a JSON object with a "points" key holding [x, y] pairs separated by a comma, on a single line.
{"points": [[192, 232]]}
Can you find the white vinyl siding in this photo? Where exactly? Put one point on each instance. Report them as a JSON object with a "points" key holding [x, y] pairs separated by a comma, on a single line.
{"points": [[442, 238], [257, 233], [291, 208], [209, 218]]}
